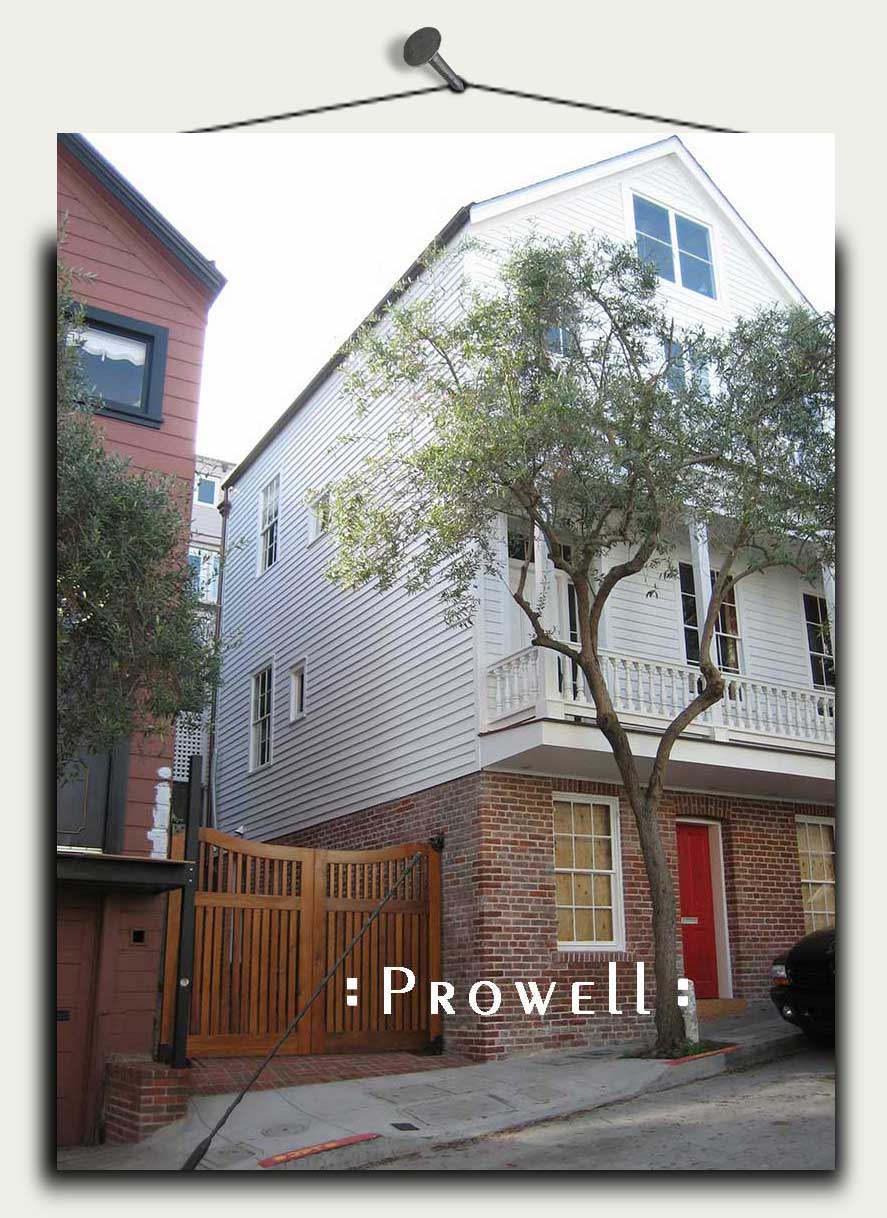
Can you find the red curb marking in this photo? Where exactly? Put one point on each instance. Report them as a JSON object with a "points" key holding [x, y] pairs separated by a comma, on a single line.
{"points": [[694, 1057], [289, 1155]]}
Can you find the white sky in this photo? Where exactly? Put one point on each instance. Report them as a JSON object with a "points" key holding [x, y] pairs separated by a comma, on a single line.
{"points": [[311, 231]]}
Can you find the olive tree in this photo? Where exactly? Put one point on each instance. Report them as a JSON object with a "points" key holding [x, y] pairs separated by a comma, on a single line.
{"points": [[563, 394], [131, 645]]}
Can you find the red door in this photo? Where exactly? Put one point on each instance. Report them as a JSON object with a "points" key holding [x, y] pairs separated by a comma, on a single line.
{"points": [[697, 909]]}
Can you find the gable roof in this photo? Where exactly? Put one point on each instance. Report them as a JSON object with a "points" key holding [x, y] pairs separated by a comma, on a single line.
{"points": [[672, 145], [200, 268], [498, 205]]}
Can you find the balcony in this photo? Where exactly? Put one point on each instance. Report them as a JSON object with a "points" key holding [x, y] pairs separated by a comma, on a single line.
{"points": [[648, 694]]}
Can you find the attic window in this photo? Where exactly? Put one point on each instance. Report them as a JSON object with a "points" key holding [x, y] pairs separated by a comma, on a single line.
{"points": [[678, 247]]}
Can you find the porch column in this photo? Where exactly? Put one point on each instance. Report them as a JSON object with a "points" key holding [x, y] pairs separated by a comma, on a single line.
{"points": [[549, 702], [701, 560]]}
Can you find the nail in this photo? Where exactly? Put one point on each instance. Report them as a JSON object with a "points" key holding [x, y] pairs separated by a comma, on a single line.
{"points": [[422, 47]]}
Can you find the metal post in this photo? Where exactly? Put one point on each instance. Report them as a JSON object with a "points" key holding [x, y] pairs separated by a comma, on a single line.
{"points": [[185, 973]]}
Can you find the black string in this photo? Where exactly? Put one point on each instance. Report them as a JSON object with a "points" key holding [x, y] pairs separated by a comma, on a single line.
{"points": [[563, 101], [555, 101], [276, 118]]}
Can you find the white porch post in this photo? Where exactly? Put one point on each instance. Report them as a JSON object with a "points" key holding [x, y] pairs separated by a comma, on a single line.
{"points": [[549, 702], [701, 560], [828, 587]]}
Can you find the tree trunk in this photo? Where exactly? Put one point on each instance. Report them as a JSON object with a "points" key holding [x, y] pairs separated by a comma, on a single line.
{"points": [[670, 1034]]}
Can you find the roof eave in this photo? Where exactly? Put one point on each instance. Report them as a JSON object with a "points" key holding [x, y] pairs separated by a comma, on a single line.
{"points": [[449, 231], [201, 269]]}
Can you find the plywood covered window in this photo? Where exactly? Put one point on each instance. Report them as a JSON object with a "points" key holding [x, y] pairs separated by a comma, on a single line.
{"points": [[587, 873], [816, 855]]}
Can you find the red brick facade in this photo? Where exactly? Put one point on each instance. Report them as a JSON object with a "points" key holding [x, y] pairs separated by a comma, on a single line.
{"points": [[499, 919]]}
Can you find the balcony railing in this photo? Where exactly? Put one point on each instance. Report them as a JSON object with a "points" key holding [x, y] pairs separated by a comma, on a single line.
{"points": [[538, 682]]}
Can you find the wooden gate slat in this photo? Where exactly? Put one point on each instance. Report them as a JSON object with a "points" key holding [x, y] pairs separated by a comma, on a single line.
{"points": [[270, 920]]}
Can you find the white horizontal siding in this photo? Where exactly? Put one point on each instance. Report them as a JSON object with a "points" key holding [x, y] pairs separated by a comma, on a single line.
{"points": [[390, 689]]}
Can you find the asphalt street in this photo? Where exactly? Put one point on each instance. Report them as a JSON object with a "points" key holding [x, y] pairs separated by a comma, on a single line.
{"points": [[777, 1117]]}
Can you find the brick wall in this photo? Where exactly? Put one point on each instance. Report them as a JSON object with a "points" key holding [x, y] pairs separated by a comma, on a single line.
{"points": [[499, 919], [141, 1096]]}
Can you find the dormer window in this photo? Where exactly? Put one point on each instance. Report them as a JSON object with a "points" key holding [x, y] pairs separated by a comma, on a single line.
{"points": [[678, 247]]}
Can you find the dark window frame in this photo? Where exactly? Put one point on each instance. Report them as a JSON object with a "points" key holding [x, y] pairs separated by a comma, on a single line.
{"points": [[150, 413]]}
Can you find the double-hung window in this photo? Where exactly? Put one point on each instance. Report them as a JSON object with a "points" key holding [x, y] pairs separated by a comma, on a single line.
{"points": [[268, 525], [260, 718], [678, 247], [587, 872], [819, 641], [319, 512], [816, 857], [728, 641]]}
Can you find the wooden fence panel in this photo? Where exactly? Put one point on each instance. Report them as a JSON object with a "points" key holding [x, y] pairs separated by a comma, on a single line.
{"points": [[271, 920]]}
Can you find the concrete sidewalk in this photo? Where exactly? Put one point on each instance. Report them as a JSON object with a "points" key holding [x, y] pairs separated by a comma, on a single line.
{"points": [[436, 1109]]}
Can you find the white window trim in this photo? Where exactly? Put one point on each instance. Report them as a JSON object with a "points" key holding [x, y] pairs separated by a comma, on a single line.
{"points": [[737, 596], [260, 570], [618, 942], [315, 531], [198, 478], [254, 767], [718, 302], [300, 667], [821, 820]]}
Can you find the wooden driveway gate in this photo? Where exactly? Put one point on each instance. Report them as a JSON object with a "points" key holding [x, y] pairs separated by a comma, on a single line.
{"points": [[271, 920]]}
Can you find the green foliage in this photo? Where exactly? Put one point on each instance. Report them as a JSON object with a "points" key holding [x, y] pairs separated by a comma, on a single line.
{"points": [[612, 445], [131, 645]]}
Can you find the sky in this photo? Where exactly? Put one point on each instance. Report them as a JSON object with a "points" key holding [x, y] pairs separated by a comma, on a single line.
{"points": [[311, 230]]}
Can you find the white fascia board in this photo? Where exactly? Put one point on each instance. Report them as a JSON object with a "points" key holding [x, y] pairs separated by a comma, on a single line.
{"points": [[671, 146]]}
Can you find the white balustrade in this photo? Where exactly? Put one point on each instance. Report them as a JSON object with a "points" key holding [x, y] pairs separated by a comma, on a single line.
{"points": [[658, 691]]}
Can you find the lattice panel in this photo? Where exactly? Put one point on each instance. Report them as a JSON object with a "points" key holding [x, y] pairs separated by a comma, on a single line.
{"points": [[192, 737]]}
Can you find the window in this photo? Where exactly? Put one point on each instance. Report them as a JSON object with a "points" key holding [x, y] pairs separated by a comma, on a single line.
{"points": [[699, 377], [297, 691], [816, 855], [557, 340], [520, 539], [270, 511], [205, 489], [679, 248], [318, 517], [819, 641], [124, 363], [205, 569], [728, 642], [260, 723], [587, 872]]}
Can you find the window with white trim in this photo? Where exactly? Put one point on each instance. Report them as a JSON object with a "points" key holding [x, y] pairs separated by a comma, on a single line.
{"points": [[205, 489], [587, 872], [204, 566], [260, 718], [297, 691], [728, 641], [819, 641], [678, 247], [269, 524], [318, 517], [816, 856]]}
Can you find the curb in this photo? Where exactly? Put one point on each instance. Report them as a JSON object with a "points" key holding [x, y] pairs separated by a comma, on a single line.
{"points": [[675, 1073]]}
